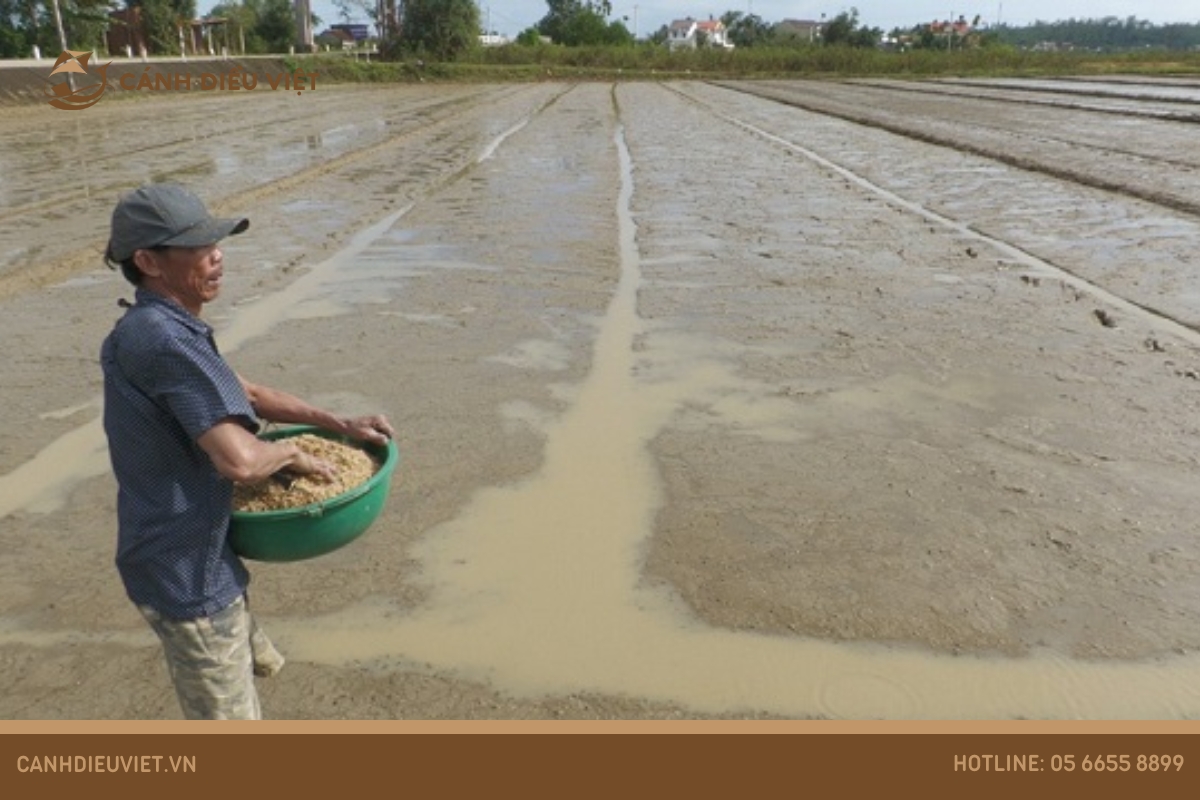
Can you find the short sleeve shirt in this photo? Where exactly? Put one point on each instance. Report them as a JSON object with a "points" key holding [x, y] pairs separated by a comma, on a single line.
{"points": [[165, 385]]}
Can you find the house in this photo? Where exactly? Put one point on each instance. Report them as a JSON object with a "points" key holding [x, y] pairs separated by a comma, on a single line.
{"points": [[957, 33], [715, 34], [802, 30], [959, 28], [358, 32], [691, 33], [335, 38], [681, 33]]}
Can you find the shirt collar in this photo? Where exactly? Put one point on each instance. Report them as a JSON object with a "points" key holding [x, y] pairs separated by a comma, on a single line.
{"points": [[149, 299]]}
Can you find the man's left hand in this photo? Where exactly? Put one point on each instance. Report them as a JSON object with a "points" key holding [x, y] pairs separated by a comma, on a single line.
{"points": [[374, 428]]}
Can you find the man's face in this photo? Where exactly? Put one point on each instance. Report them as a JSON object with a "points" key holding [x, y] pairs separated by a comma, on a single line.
{"points": [[190, 275]]}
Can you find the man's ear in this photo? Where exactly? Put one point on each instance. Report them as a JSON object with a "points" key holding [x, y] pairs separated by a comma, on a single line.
{"points": [[147, 262]]}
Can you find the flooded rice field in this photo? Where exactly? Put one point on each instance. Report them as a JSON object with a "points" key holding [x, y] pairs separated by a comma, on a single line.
{"points": [[757, 400]]}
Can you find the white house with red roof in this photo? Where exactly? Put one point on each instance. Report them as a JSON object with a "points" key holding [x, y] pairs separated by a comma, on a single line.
{"points": [[690, 32]]}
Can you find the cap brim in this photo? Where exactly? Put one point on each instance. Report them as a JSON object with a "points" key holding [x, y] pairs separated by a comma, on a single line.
{"points": [[209, 232]]}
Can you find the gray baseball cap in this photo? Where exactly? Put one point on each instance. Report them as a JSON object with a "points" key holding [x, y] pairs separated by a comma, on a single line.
{"points": [[165, 214]]}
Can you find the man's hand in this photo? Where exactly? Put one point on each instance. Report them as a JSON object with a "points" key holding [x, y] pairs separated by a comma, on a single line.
{"points": [[312, 467], [242, 457], [374, 429]]}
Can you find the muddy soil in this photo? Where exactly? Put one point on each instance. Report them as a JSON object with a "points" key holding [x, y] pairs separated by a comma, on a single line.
{"points": [[873, 402]]}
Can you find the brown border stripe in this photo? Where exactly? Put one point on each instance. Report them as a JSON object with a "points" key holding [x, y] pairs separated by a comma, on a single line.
{"points": [[720, 765], [1014, 727]]}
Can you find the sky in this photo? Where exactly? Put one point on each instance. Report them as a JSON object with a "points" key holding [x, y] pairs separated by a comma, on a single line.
{"points": [[510, 17]]}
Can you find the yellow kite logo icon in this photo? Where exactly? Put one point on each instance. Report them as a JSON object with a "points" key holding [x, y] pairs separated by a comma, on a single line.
{"points": [[64, 94]]}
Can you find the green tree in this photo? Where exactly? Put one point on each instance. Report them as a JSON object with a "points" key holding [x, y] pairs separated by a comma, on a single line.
{"points": [[350, 9], [582, 22], [274, 29], [241, 21], [25, 23], [747, 30], [161, 20], [84, 23], [14, 30], [844, 30], [22, 25], [618, 34], [529, 38], [443, 29], [1108, 34]]}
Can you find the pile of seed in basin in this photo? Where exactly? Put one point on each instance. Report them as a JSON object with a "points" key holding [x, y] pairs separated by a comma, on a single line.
{"points": [[352, 466]]}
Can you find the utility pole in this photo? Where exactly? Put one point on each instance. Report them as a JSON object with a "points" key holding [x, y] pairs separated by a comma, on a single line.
{"points": [[390, 15], [62, 40], [304, 31], [58, 23]]}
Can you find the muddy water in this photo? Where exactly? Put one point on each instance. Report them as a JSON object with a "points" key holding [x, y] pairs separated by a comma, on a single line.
{"points": [[538, 587], [44, 483], [1145, 228], [221, 148], [1138, 250], [1183, 93], [1180, 108]]}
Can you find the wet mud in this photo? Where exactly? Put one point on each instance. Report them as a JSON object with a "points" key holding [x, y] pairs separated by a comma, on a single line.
{"points": [[757, 400]]}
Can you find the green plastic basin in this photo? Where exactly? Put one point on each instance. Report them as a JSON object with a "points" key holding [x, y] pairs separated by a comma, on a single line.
{"points": [[295, 534]]}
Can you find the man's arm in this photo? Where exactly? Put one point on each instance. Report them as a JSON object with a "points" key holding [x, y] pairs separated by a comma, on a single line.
{"points": [[242, 457], [276, 406]]}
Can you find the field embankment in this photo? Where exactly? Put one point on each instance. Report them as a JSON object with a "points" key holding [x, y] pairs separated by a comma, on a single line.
{"points": [[25, 82]]}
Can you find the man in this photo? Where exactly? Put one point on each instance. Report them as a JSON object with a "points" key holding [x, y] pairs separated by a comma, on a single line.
{"points": [[181, 430]]}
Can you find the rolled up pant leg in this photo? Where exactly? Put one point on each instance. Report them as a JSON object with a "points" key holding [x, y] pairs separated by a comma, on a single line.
{"points": [[267, 660], [210, 662]]}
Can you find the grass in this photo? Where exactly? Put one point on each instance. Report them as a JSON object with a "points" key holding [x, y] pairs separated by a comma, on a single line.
{"points": [[523, 64]]}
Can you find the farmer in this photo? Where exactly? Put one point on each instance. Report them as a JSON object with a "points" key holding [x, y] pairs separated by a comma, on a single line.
{"points": [[181, 430]]}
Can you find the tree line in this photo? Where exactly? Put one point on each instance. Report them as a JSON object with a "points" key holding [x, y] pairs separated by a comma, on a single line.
{"points": [[585, 23], [25, 24], [257, 26], [446, 30], [1104, 34]]}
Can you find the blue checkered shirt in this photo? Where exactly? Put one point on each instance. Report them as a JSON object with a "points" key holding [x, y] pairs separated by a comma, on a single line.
{"points": [[165, 384]]}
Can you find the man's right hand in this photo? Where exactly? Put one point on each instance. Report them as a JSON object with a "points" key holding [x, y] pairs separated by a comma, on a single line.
{"points": [[242, 457], [313, 467]]}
